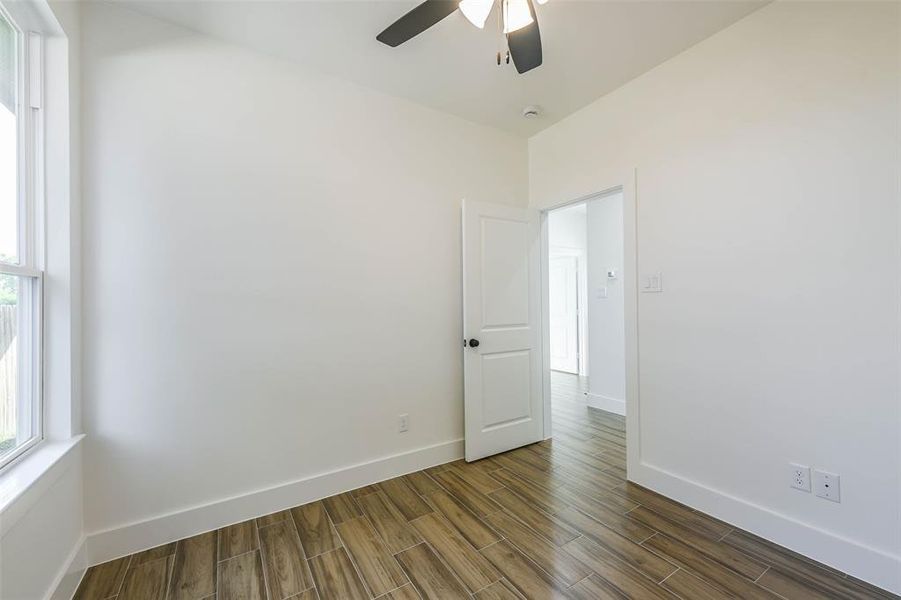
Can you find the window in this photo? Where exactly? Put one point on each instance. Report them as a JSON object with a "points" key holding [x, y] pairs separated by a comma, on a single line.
{"points": [[20, 273]]}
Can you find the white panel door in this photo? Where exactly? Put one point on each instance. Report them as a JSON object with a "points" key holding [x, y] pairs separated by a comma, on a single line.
{"points": [[563, 278], [502, 362]]}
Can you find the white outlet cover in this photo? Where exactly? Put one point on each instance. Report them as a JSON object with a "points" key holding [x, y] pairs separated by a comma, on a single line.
{"points": [[827, 485], [799, 477]]}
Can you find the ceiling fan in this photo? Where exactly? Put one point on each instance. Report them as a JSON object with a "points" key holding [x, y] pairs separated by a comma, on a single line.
{"points": [[520, 26]]}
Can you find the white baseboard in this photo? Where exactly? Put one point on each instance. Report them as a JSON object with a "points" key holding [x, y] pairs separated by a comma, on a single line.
{"points": [[71, 573], [614, 405], [122, 541], [869, 564]]}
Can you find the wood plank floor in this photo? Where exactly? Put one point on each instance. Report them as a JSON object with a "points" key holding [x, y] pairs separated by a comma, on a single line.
{"points": [[553, 520]]}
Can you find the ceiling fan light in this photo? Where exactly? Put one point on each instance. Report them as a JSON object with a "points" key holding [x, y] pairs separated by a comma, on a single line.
{"points": [[516, 15], [476, 11]]}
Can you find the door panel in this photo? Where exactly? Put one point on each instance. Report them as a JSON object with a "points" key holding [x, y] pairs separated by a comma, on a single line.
{"points": [[505, 273], [502, 374], [506, 378]]}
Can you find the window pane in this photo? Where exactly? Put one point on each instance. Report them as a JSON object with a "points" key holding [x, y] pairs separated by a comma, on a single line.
{"points": [[18, 393], [9, 220]]}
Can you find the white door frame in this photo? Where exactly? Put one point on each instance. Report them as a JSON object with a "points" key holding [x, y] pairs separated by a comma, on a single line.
{"points": [[625, 184]]}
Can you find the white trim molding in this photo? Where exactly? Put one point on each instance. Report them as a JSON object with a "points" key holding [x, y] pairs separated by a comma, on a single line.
{"points": [[71, 573], [127, 539], [863, 562], [614, 405], [25, 482]]}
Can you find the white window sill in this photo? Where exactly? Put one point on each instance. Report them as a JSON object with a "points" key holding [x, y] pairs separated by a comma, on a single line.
{"points": [[24, 482]]}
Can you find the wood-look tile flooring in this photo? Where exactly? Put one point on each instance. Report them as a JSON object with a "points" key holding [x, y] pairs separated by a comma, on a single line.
{"points": [[555, 519]]}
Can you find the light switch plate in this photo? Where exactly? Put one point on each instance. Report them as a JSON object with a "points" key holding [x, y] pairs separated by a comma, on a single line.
{"points": [[652, 283]]}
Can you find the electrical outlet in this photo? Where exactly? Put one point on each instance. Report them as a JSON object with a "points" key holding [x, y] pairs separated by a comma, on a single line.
{"points": [[827, 485], [403, 422], [800, 477]]}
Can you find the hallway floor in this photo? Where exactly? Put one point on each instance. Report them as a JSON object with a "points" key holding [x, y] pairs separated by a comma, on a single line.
{"points": [[552, 520]]}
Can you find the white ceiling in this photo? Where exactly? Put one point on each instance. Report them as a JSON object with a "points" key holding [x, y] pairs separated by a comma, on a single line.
{"points": [[590, 48]]}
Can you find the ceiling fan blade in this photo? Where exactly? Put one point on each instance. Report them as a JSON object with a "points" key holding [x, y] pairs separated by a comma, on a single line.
{"points": [[416, 21], [525, 44]]}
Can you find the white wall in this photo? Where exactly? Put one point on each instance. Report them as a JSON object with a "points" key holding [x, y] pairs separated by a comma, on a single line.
{"points": [[272, 269], [567, 229], [606, 311], [768, 170]]}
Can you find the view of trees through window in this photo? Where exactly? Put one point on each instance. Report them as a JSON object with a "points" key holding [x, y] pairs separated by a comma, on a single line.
{"points": [[8, 364]]}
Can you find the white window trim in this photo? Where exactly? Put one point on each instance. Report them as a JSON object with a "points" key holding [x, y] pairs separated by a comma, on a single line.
{"points": [[30, 254], [24, 481]]}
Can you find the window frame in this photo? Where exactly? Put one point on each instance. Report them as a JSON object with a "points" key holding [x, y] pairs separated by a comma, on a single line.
{"points": [[30, 254]]}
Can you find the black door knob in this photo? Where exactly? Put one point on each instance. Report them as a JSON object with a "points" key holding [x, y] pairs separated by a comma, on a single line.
{"points": [[473, 343]]}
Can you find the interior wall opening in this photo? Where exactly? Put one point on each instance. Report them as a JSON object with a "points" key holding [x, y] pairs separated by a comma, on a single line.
{"points": [[586, 311]]}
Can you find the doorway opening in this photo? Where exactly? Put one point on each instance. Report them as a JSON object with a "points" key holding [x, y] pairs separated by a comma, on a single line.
{"points": [[567, 287], [586, 330], [507, 377]]}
